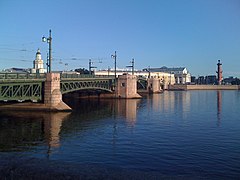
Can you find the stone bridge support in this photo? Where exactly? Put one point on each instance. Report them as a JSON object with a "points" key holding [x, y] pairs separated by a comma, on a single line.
{"points": [[127, 87], [52, 93], [154, 85]]}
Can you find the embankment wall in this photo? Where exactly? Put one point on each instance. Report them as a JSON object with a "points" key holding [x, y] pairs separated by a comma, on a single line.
{"points": [[203, 87]]}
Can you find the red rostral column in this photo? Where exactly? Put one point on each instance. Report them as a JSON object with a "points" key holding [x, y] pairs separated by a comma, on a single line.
{"points": [[219, 72]]}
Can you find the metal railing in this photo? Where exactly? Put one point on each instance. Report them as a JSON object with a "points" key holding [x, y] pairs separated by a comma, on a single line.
{"points": [[11, 76], [76, 76], [43, 76]]}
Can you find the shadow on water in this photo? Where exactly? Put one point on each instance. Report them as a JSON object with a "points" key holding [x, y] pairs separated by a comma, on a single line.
{"points": [[21, 131]]}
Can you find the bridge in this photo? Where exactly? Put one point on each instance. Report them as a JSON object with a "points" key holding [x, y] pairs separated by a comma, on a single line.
{"points": [[25, 86], [49, 88]]}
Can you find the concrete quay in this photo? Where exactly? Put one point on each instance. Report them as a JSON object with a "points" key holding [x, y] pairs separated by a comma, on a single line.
{"points": [[185, 87]]}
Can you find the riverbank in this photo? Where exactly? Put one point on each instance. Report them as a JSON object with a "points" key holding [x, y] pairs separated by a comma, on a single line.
{"points": [[203, 87]]}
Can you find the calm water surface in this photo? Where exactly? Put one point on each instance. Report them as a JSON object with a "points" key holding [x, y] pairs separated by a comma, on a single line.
{"points": [[174, 133]]}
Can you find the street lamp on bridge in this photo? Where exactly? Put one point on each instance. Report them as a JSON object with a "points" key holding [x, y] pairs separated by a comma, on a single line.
{"points": [[49, 41], [115, 64], [132, 66], [90, 66]]}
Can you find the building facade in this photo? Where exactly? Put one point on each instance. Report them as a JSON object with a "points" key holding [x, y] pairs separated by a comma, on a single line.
{"points": [[165, 78], [181, 74], [38, 65]]}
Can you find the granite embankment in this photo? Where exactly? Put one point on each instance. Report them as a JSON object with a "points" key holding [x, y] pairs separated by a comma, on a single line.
{"points": [[203, 87]]}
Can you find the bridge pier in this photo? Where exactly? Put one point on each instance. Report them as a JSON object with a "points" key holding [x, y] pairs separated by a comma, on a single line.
{"points": [[52, 93], [127, 87], [154, 85]]}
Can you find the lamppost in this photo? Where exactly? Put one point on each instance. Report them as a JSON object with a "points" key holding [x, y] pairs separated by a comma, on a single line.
{"points": [[149, 73], [132, 66], [49, 41], [115, 65], [109, 70], [90, 66]]}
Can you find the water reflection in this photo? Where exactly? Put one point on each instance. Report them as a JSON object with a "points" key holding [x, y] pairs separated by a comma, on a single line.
{"points": [[172, 101], [219, 107], [154, 134], [20, 131], [52, 126], [128, 109]]}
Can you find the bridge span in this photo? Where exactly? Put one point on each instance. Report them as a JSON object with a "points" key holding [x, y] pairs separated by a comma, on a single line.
{"points": [[49, 88]]}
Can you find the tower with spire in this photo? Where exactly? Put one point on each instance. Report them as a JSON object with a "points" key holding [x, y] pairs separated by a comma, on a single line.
{"points": [[38, 64]]}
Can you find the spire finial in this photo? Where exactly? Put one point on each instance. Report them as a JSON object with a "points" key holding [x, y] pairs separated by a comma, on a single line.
{"points": [[38, 51]]}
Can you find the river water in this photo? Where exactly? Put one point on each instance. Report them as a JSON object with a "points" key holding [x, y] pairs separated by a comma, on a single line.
{"points": [[176, 133]]}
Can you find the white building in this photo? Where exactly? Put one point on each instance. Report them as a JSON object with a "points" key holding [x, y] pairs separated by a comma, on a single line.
{"points": [[38, 64], [165, 78], [181, 74]]}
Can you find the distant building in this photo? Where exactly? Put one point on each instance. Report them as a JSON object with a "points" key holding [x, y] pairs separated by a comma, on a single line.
{"points": [[212, 79], [231, 80], [228, 80], [201, 80], [193, 79], [165, 78], [38, 64], [16, 70], [181, 74]]}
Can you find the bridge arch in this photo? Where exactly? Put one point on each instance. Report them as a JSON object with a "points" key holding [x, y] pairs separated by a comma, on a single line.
{"points": [[142, 83], [71, 86]]}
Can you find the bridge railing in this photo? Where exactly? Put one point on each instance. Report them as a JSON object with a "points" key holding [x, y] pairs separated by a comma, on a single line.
{"points": [[69, 76], [20, 76], [8, 76]]}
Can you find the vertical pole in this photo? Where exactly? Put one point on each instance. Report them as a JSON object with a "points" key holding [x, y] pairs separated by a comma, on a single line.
{"points": [[90, 62], [149, 75], [47, 63], [115, 66], [50, 51], [108, 70], [133, 66]]}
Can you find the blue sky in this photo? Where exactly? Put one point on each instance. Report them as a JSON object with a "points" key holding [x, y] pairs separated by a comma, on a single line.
{"points": [[173, 33]]}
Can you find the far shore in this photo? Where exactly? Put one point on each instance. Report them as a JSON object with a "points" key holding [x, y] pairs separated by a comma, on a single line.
{"points": [[203, 87]]}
